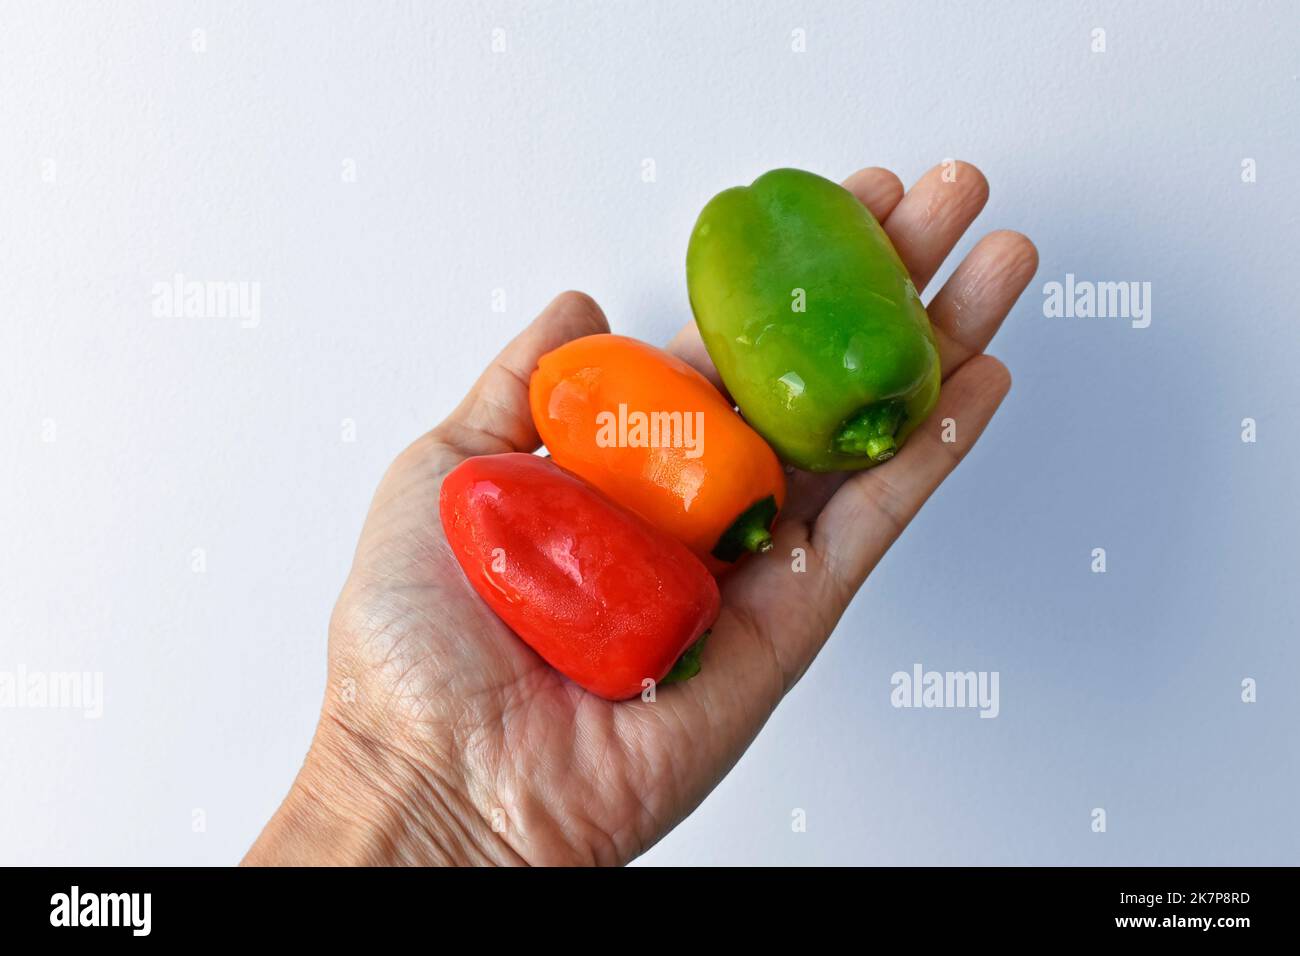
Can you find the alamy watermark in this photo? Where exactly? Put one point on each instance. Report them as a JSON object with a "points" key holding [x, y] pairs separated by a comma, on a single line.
{"points": [[130, 910], [53, 690], [942, 689], [635, 429], [183, 298], [1082, 299]]}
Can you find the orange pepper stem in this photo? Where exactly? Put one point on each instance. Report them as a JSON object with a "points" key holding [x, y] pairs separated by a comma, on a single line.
{"points": [[750, 532], [758, 540]]}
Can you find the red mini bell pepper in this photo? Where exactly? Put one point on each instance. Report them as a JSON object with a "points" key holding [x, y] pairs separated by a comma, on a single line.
{"points": [[605, 598]]}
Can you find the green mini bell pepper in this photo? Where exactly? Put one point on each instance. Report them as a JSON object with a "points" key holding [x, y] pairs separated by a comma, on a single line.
{"points": [[812, 321]]}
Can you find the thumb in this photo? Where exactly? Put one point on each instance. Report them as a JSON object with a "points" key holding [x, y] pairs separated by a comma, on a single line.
{"points": [[494, 417]]}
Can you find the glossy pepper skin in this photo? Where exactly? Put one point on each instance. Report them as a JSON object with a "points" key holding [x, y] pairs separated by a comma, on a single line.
{"points": [[603, 597], [601, 402], [812, 320]]}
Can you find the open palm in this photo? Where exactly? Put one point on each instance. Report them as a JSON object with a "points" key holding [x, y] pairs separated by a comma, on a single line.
{"points": [[483, 753]]}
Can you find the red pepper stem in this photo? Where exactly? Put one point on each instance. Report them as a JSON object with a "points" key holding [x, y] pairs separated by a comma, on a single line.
{"points": [[688, 665]]}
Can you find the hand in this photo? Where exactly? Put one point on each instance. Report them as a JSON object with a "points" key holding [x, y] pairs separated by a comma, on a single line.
{"points": [[444, 738]]}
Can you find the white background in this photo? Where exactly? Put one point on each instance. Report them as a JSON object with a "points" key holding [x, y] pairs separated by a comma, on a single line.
{"points": [[522, 171]]}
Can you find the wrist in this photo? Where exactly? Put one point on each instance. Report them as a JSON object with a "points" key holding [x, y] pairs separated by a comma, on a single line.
{"points": [[358, 801]]}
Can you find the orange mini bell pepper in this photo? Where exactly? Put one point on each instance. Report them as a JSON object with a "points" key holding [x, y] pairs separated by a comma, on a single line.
{"points": [[654, 435]]}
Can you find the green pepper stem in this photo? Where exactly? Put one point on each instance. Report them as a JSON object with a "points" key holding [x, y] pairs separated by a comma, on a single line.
{"points": [[870, 431], [881, 448]]}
